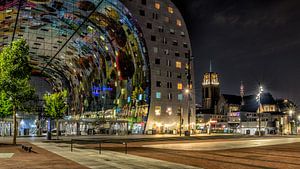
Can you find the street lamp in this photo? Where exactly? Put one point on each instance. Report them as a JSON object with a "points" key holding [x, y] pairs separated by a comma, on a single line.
{"points": [[187, 91], [258, 99]]}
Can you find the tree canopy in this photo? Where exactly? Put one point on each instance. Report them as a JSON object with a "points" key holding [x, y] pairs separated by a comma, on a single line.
{"points": [[55, 104], [6, 105], [15, 71]]}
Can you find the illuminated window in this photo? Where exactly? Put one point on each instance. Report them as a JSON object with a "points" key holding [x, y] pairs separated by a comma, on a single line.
{"points": [[155, 49], [178, 64], [158, 95], [170, 10], [157, 110], [178, 22], [179, 86], [180, 97], [169, 110], [157, 5]]}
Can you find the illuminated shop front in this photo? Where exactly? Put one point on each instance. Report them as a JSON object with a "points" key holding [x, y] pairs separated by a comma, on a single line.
{"points": [[95, 49]]}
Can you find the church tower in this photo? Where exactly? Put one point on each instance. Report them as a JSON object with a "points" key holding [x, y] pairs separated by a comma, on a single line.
{"points": [[242, 93], [210, 91]]}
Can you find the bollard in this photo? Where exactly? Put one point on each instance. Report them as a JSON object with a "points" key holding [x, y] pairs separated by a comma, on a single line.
{"points": [[100, 147]]}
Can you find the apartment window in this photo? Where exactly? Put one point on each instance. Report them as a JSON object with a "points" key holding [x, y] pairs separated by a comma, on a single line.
{"points": [[175, 42], [157, 110], [158, 95], [153, 38], [157, 5], [167, 19], [166, 51], [158, 83], [187, 55], [168, 62], [155, 49], [157, 61], [178, 64], [149, 25], [172, 31], [155, 16], [169, 85], [179, 75], [182, 34], [169, 74], [170, 96], [185, 45], [180, 97], [165, 41], [179, 86], [142, 13], [144, 2], [177, 54], [158, 72], [170, 10], [178, 22], [160, 29]]}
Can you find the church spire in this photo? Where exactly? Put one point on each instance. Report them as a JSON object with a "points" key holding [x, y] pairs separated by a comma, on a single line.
{"points": [[210, 66], [242, 92]]}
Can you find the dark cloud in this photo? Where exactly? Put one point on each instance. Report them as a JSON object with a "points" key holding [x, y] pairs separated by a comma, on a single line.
{"points": [[254, 41]]}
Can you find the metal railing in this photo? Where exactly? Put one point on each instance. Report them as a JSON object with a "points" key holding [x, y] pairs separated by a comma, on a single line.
{"points": [[100, 143]]}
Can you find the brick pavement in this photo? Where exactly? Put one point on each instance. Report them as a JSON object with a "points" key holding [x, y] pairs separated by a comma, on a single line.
{"points": [[40, 158]]}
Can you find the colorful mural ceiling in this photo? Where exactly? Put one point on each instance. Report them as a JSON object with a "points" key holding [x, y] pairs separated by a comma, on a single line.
{"points": [[94, 48]]}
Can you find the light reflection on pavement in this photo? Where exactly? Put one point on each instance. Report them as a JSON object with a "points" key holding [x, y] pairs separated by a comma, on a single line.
{"points": [[223, 145]]}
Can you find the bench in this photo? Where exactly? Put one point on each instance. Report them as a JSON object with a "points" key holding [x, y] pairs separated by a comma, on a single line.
{"points": [[26, 148]]}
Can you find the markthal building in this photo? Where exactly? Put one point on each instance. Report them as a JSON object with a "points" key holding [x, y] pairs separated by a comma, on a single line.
{"points": [[97, 51]]}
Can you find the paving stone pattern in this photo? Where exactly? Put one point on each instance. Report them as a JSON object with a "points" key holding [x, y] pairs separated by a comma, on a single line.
{"points": [[109, 159]]}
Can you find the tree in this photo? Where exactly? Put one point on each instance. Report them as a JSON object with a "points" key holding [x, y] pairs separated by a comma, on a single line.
{"points": [[55, 107], [15, 72], [5, 105]]}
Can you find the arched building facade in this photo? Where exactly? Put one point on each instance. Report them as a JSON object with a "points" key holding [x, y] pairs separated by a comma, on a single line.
{"points": [[99, 51]]}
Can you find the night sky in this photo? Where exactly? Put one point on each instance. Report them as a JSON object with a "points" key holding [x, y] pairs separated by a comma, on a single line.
{"points": [[251, 41]]}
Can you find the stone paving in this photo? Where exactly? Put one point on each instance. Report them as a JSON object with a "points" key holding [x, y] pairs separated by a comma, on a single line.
{"points": [[14, 157], [224, 145], [6, 155], [108, 159]]}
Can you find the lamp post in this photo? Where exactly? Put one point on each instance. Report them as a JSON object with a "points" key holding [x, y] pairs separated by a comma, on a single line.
{"points": [[291, 121], [258, 99], [187, 91]]}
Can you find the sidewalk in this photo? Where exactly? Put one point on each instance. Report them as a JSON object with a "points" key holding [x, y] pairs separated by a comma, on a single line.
{"points": [[108, 159]]}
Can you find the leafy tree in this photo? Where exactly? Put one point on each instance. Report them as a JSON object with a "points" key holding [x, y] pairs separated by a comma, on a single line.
{"points": [[56, 106], [15, 74], [5, 105]]}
